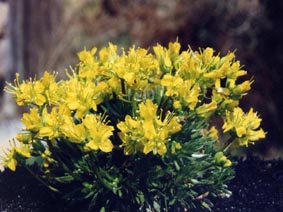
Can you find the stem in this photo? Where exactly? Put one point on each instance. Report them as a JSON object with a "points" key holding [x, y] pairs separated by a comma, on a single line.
{"points": [[42, 181], [61, 162], [123, 86], [230, 142]]}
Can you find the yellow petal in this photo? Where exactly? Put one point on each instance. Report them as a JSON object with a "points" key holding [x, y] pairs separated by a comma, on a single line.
{"points": [[227, 163], [45, 132], [240, 131], [148, 110], [161, 149], [23, 150], [149, 129], [148, 147], [73, 105], [206, 109], [256, 134], [132, 123], [167, 61], [177, 105], [92, 145], [11, 164], [106, 146]]}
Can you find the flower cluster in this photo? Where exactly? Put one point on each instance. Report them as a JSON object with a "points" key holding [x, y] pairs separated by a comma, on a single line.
{"points": [[148, 133], [245, 126], [199, 82], [138, 103]]}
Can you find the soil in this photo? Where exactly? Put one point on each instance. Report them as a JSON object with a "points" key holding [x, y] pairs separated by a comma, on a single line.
{"points": [[257, 187]]}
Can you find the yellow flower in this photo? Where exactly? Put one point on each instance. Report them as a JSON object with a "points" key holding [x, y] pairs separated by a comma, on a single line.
{"points": [[189, 93], [23, 150], [174, 49], [214, 74], [171, 124], [44, 124], [207, 55], [221, 159], [167, 58], [74, 132], [24, 137], [99, 134], [87, 57], [242, 88], [177, 105], [163, 57], [46, 132], [147, 85], [51, 89], [173, 84], [185, 91], [108, 54], [9, 160], [51, 122], [234, 119], [81, 96], [148, 110], [175, 146], [131, 135], [32, 120], [206, 110], [37, 92], [30, 92], [89, 67], [46, 156], [190, 67], [137, 69], [235, 71], [213, 133], [147, 133], [245, 126], [222, 96]]}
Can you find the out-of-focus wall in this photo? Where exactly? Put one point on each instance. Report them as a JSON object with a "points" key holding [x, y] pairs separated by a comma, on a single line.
{"points": [[4, 9]]}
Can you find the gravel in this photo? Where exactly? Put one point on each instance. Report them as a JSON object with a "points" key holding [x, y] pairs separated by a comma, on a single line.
{"points": [[257, 187]]}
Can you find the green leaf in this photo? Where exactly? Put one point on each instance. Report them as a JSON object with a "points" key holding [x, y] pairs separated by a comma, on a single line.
{"points": [[64, 179], [156, 206], [140, 198], [206, 205], [102, 209], [34, 160], [177, 166], [195, 181], [172, 201]]}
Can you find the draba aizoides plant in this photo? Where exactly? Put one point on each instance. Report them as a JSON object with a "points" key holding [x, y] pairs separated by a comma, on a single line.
{"points": [[133, 130]]}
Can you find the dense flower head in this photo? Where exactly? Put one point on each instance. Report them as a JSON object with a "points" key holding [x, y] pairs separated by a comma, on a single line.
{"points": [[136, 100]]}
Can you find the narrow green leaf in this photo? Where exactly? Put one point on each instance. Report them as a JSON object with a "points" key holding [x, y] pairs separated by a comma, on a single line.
{"points": [[64, 179], [102, 209]]}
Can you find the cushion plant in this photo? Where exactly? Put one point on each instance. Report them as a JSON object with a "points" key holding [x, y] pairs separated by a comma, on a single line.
{"points": [[136, 130]]}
